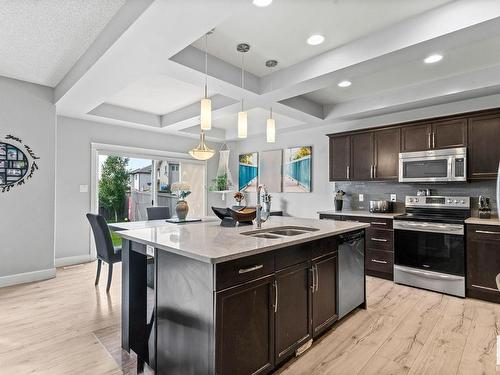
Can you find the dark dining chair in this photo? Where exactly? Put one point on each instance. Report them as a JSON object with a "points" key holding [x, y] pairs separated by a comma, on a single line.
{"points": [[106, 252], [158, 213]]}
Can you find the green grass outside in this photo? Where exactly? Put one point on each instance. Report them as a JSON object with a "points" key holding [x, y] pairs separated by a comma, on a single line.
{"points": [[117, 240]]}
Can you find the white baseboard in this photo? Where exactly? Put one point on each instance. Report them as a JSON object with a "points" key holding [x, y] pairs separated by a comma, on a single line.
{"points": [[70, 261], [27, 277]]}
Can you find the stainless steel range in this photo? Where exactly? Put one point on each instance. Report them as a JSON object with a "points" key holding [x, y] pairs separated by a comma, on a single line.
{"points": [[429, 243]]}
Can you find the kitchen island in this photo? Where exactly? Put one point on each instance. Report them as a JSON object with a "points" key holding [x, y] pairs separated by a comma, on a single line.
{"points": [[230, 299]]}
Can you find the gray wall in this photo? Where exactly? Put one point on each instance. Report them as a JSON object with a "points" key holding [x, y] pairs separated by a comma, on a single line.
{"points": [[27, 211], [74, 137], [321, 197]]}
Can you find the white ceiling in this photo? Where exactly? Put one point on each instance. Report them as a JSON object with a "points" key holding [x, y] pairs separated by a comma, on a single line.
{"points": [[148, 76], [157, 94], [41, 40], [458, 60], [280, 30]]}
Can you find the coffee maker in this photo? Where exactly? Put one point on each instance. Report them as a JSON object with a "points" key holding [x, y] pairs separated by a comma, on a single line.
{"points": [[484, 207]]}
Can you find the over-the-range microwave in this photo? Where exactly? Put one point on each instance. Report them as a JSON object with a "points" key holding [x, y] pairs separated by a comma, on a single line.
{"points": [[443, 165]]}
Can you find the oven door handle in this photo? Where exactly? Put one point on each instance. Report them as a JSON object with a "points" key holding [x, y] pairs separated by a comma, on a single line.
{"points": [[429, 227], [429, 275]]}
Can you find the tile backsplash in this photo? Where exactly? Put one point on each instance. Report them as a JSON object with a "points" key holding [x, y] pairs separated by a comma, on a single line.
{"points": [[382, 191]]}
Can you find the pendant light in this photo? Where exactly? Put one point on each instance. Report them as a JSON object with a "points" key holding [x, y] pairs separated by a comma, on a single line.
{"points": [[242, 115], [271, 123], [202, 151], [206, 103]]}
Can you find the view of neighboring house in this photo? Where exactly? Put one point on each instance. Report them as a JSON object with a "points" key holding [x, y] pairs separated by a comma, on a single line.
{"points": [[140, 179], [168, 173]]}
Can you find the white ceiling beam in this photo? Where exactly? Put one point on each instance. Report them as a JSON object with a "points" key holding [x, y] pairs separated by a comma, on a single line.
{"points": [[305, 105], [126, 114], [468, 85], [120, 22]]}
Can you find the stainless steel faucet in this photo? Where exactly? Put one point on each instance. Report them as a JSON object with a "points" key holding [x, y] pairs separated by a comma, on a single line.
{"points": [[266, 200]]}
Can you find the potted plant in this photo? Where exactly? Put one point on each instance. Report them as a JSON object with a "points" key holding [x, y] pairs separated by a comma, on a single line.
{"points": [[239, 197], [182, 190], [339, 200]]}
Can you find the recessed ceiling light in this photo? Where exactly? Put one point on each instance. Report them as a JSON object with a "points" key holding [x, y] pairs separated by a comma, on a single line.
{"points": [[344, 84], [262, 3], [433, 59], [315, 39]]}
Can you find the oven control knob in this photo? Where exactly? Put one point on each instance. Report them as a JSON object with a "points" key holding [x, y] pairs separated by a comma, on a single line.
{"points": [[456, 201], [416, 200], [410, 200], [462, 201], [450, 201]]}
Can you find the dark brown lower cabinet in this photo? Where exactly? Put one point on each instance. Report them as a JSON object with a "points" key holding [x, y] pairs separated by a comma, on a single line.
{"points": [[324, 295], [293, 310], [483, 262], [245, 328]]}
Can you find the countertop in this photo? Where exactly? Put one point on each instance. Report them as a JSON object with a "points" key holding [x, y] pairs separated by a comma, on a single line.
{"points": [[388, 215], [210, 242], [476, 220], [128, 225]]}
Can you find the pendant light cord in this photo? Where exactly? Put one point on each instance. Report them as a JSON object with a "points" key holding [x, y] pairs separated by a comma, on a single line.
{"points": [[242, 76], [206, 65]]}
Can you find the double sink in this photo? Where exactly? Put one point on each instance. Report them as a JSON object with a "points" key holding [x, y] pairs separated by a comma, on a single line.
{"points": [[279, 232]]}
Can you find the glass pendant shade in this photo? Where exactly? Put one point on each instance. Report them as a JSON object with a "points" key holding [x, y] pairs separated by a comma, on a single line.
{"points": [[242, 124], [206, 114], [202, 152], [271, 130]]}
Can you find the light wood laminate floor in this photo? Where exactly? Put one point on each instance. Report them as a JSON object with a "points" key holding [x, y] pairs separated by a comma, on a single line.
{"points": [[52, 327]]}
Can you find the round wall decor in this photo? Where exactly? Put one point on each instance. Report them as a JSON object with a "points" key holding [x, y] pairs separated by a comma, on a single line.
{"points": [[17, 163]]}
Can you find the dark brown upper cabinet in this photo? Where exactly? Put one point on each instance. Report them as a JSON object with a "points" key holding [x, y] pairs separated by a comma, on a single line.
{"points": [[362, 156], [293, 312], [340, 158], [416, 137], [430, 136], [449, 133], [484, 146], [386, 153]]}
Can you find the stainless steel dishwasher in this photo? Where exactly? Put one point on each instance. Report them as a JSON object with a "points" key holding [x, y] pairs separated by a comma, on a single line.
{"points": [[351, 272]]}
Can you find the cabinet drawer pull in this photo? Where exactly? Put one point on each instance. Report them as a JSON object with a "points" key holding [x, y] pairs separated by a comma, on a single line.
{"points": [[378, 239], [487, 232], [313, 274], [348, 172], [379, 261], [275, 296], [250, 269], [378, 223], [484, 287], [317, 277]]}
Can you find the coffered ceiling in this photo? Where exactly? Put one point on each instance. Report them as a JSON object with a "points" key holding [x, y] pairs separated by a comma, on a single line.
{"points": [[146, 67]]}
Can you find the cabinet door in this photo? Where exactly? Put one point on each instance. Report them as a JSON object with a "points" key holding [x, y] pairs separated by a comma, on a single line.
{"points": [[293, 319], [324, 306], [245, 328], [484, 150], [362, 156], [483, 262], [450, 133], [387, 146], [340, 158], [416, 138]]}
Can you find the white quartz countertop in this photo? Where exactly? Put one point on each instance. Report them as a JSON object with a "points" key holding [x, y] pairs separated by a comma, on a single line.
{"points": [[210, 242], [361, 213], [476, 220]]}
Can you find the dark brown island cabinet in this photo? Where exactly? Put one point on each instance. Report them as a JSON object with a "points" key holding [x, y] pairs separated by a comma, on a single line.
{"points": [[365, 155], [379, 240], [243, 316], [483, 261]]}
